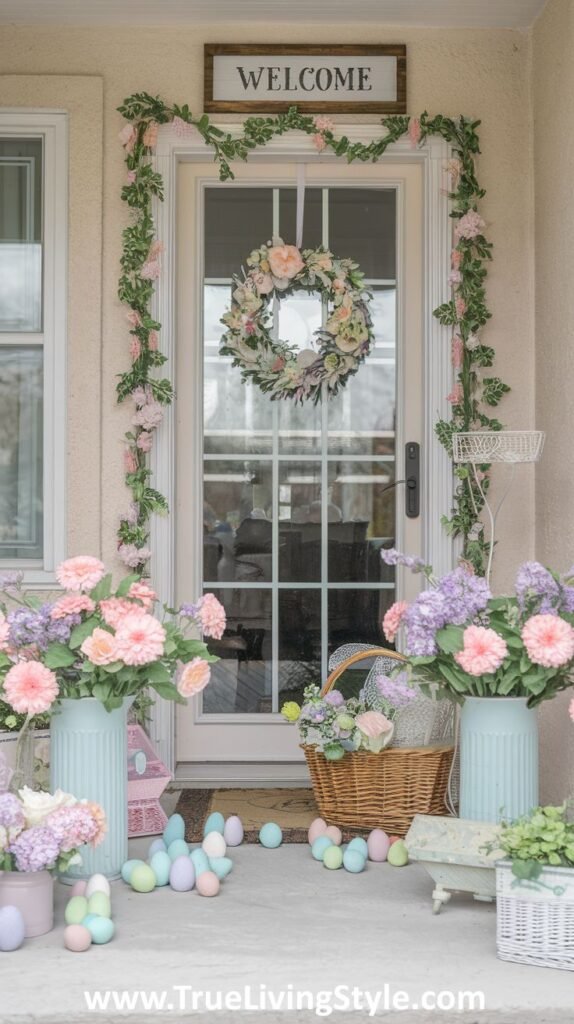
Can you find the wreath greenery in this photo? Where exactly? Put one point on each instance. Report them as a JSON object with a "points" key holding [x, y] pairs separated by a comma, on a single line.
{"points": [[279, 369]]}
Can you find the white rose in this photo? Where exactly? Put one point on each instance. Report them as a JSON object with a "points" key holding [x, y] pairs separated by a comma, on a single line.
{"points": [[37, 806]]}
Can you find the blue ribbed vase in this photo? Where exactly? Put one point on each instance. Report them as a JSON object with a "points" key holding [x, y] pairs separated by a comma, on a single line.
{"points": [[498, 758], [88, 757]]}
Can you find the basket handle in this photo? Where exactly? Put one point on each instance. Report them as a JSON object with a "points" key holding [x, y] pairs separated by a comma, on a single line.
{"points": [[374, 652]]}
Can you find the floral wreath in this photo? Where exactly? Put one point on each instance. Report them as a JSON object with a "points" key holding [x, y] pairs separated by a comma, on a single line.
{"points": [[275, 366]]}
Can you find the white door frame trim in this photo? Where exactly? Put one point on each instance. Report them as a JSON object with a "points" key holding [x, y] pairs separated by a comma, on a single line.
{"points": [[437, 476]]}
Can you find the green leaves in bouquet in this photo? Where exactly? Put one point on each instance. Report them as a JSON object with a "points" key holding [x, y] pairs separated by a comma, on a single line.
{"points": [[84, 630], [126, 583], [59, 656], [103, 589]]}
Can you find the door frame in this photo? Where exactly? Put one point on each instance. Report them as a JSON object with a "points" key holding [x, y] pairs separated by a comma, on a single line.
{"points": [[437, 480]]}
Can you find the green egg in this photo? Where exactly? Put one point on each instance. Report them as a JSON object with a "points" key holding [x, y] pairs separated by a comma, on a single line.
{"points": [[398, 854], [76, 910], [128, 867], [101, 929], [333, 858], [99, 903], [143, 878]]}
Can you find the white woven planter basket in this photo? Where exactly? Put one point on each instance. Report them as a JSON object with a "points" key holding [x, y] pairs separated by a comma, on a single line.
{"points": [[535, 919]]}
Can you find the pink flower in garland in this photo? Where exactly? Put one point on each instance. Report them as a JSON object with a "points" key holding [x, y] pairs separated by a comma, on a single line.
{"points": [[127, 137], [131, 177], [145, 441], [549, 640], [183, 130], [483, 651], [135, 348], [460, 306], [72, 604], [454, 278], [30, 688], [571, 709], [133, 556], [469, 226], [319, 142], [141, 396], [457, 351], [456, 396], [414, 131], [150, 135], [134, 318], [131, 464], [149, 416], [393, 619], [150, 270], [323, 124], [212, 616], [152, 341], [140, 639], [455, 259], [81, 573]]}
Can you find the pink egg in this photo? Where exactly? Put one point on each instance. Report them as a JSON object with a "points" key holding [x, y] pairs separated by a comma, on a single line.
{"points": [[77, 938], [316, 828], [207, 883], [378, 844], [334, 834], [79, 887]]}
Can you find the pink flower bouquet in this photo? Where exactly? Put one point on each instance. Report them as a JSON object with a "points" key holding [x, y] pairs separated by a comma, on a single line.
{"points": [[40, 831]]}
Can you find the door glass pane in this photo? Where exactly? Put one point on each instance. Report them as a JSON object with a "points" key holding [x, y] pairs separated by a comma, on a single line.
{"points": [[355, 616], [21, 234], [236, 221], [364, 496], [237, 526], [21, 459], [299, 642], [241, 681], [362, 223], [300, 522]]}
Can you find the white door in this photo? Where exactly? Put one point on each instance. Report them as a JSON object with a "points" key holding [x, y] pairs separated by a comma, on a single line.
{"points": [[281, 509]]}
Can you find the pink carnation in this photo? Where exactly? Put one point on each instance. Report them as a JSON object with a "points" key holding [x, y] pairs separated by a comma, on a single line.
{"points": [[132, 556], [393, 619], [30, 688], [193, 677], [140, 639], [483, 651], [130, 461], [470, 225], [457, 351], [149, 416], [549, 640], [145, 441], [133, 318], [81, 573], [323, 124], [140, 591], [72, 604], [373, 724], [456, 396], [414, 130], [150, 270], [114, 610], [212, 616]]}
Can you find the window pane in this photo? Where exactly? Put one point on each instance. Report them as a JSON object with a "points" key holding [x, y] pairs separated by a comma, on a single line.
{"points": [[365, 498], [21, 461], [241, 681], [362, 226], [300, 522], [237, 527], [299, 642], [355, 617], [237, 220], [21, 234]]}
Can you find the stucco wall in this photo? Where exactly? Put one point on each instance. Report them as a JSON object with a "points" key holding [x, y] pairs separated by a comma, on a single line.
{"points": [[552, 90]]}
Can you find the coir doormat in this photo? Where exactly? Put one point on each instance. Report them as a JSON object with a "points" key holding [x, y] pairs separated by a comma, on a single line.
{"points": [[292, 809]]}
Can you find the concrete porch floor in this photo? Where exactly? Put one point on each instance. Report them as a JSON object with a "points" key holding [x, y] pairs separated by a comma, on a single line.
{"points": [[282, 919]]}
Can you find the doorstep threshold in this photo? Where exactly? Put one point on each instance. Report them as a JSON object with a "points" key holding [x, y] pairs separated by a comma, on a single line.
{"points": [[246, 774]]}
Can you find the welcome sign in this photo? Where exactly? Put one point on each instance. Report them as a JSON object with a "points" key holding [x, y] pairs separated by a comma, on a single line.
{"points": [[335, 79]]}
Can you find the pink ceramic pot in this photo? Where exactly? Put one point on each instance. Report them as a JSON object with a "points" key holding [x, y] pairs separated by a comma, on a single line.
{"points": [[33, 893]]}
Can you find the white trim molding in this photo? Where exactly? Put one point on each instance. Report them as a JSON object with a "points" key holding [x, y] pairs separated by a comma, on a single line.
{"points": [[437, 476], [52, 127]]}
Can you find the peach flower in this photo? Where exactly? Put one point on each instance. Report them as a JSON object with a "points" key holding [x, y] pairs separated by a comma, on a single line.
{"points": [[100, 647], [549, 640], [483, 651], [193, 677], [140, 639], [81, 573], [98, 814], [263, 282], [30, 688], [150, 135], [319, 142], [285, 261], [393, 619], [145, 441], [72, 604], [373, 724], [114, 610], [141, 591]]}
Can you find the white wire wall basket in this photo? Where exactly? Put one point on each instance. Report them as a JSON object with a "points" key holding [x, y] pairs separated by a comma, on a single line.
{"points": [[511, 446]]}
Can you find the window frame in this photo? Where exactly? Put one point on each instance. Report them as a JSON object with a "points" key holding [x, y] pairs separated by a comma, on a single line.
{"points": [[52, 127]]}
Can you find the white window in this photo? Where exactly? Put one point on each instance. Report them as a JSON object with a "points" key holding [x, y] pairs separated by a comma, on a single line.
{"points": [[33, 259]]}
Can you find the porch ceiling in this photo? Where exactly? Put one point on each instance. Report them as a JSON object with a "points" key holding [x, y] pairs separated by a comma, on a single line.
{"points": [[437, 13]]}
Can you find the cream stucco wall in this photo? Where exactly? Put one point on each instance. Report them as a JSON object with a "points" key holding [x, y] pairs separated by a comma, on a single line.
{"points": [[552, 91]]}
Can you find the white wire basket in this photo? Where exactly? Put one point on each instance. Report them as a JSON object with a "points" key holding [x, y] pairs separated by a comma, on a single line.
{"points": [[535, 918], [509, 446]]}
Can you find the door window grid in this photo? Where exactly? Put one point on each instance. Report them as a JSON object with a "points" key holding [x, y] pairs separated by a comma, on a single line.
{"points": [[275, 585]]}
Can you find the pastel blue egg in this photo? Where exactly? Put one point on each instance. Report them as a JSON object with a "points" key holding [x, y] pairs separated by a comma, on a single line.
{"points": [[128, 867], [353, 861], [12, 928], [215, 823], [221, 866], [321, 844], [175, 829], [161, 866], [157, 846], [270, 836], [89, 919], [178, 848], [359, 844], [101, 929], [200, 861], [182, 874]]}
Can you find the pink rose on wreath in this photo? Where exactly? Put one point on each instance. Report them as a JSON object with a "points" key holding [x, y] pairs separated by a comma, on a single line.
{"points": [[81, 573], [145, 441], [483, 652], [262, 281], [139, 639], [285, 261], [30, 688], [470, 225], [193, 677], [100, 647], [373, 724], [393, 619], [549, 640]]}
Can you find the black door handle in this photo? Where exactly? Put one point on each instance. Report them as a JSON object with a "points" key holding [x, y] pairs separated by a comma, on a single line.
{"points": [[412, 474]]}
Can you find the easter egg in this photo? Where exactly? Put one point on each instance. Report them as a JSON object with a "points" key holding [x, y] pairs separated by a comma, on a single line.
{"points": [[97, 883], [200, 861], [353, 861], [394, 839], [182, 874], [158, 846], [361, 845], [398, 854], [178, 848], [378, 845], [221, 866], [321, 844], [233, 831], [142, 878], [214, 823], [101, 929], [160, 864], [334, 834], [333, 857], [77, 938], [175, 829], [12, 928], [98, 904], [208, 884], [317, 828], [79, 887], [214, 845], [76, 909], [88, 920], [270, 835], [128, 867]]}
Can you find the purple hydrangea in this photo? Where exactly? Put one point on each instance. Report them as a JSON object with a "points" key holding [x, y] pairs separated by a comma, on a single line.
{"points": [[11, 582], [34, 626], [457, 598], [334, 698], [11, 813], [465, 595], [35, 849], [535, 585], [393, 557], [396, 689], [189, 611]]}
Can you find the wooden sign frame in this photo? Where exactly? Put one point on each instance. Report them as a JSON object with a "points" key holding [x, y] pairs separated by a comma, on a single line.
{"points": [[398, 106]]}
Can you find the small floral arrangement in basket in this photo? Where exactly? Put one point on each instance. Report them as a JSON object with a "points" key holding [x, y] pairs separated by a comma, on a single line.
{"points": [[337, 726], [542, 838], [40, 831]]}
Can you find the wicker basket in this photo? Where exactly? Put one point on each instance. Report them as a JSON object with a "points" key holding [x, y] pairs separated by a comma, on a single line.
{"points": [[383, 790], [535, 919]]}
